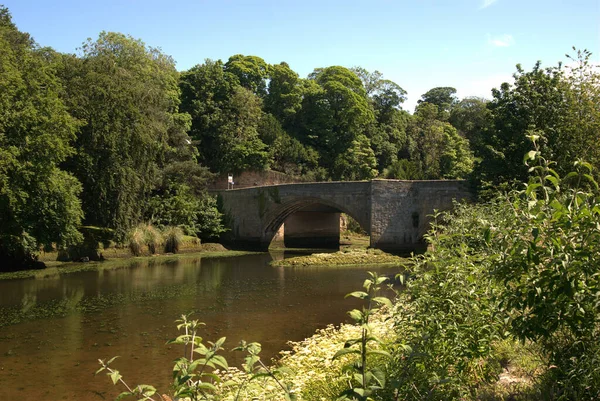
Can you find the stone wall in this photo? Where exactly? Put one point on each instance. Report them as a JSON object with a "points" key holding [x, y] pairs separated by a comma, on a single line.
{"points": [[248, 179], [401, 210]]}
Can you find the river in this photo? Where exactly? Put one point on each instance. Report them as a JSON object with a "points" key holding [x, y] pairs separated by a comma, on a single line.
{"points": [[55, 327]]}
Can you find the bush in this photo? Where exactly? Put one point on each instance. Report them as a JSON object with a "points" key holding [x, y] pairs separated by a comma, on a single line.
{"points": [[447, 313], [548, 266]]}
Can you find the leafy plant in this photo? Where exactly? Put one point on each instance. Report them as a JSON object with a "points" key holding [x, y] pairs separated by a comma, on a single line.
{"points": [[364, 379], [255, 369], [195, 374], [549, 266]]}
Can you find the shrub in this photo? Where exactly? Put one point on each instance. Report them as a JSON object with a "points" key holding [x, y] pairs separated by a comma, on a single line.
{"points": [[548, 267]]}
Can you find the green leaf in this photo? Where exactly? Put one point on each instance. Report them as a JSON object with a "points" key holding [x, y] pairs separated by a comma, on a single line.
{"points": [[379, 352], [345, 351], [206, 386], [384, 301], [115, 376], [220, 361], [124, 394], [111, 360], [356, 315], [358, 294]]}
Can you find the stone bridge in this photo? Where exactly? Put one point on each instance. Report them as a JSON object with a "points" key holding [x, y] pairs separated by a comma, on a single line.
{"points": [[394, 213]]}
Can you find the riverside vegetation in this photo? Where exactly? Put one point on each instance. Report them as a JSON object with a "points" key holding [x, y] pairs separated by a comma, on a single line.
{"points": [[504, 306], [114, 136]]}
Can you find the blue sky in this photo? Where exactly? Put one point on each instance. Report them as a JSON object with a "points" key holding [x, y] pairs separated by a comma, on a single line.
{"points": [[472, 45]]}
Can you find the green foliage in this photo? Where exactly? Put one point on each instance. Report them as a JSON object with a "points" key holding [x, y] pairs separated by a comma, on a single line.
{"points": [[251, 72], [335, 110], [39, 202], [364, 379], [436, 146], [358, 162], [442, 97], [90, 247], [284, 99], [447, 314], [549, 265], [561, 103], [126, 96], [403, 170], [287, 154], [225, 118], [195, 214]]}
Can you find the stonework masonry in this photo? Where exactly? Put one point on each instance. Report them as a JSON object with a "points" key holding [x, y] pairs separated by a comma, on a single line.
{"points": [[395, 213]]}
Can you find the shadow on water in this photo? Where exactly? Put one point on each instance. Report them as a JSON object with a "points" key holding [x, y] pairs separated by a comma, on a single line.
{"points": [[55, 327]]}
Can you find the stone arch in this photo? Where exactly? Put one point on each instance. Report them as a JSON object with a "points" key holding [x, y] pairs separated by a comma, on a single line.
{"points": [[277, 216]]}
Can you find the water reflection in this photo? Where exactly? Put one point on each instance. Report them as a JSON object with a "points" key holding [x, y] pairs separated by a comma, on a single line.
{"points": [[67, 322]]}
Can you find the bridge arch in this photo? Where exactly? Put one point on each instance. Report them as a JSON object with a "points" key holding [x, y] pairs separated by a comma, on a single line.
{"points": [[273, 220]]}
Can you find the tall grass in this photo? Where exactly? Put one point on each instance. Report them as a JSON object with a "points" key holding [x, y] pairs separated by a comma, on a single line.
{"points": [[144, 236], [152, 238], [173, 237], [136, 240]]}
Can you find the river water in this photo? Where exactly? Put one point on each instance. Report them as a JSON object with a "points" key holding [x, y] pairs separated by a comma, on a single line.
{"points": [[55, 327]]}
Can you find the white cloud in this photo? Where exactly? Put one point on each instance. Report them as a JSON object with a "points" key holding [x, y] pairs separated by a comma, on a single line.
{"points": [[501, 41], [487, 3]]}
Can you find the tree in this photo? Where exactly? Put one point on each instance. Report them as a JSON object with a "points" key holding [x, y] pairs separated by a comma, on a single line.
{"points": [[284, 98], [225, 118], [535, 103], [126, 95], [238, 146], [286, 153], [579, 138], [251, 72], [335, 110], [358, 162], [39, 202], [472, 118], [437, 147], [443, 97]]}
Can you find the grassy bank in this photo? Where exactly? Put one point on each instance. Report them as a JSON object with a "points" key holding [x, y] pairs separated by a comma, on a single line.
{"points": [[118, 258], [345, 257], [312, 373]]}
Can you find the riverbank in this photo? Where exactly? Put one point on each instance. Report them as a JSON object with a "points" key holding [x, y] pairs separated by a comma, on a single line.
{"points": [[345, 257], [115, 258]]}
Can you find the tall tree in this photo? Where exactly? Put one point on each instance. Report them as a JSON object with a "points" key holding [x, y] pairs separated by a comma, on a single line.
{"points": [[444, 97], [534, 104], [284, 99], [251, 71], [39, 202], [387, 133], [225, 118], [335, 110], [437, 147], [126, 95]]}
